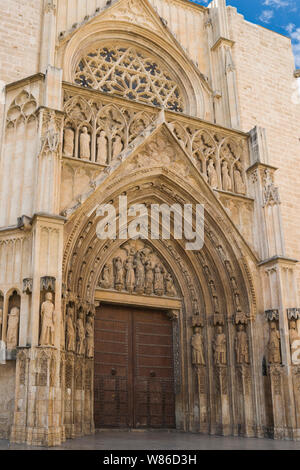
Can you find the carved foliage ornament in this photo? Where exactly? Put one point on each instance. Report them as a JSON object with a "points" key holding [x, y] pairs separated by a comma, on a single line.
{"points": [[130, 73]]}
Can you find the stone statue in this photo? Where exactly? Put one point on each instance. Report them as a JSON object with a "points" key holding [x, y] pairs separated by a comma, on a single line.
{"points": [[140, 274], [119, 276], [170, 288], [85, 140], [212, 174], [130, 275], [294, 342], [159, 287], [13, 328], [102, 153], [219, 347], [274, 345], [1, 321], [89, 329], [117, 147], [69, 142], [149, 277], [105, 282], [226, 180], [70, 330], [241, 346], [197, 348], [80, 334], [238, 181], [48, 321]]}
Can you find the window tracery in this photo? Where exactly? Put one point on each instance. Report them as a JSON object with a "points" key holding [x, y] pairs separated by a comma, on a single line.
{"points": [[131, 74]]}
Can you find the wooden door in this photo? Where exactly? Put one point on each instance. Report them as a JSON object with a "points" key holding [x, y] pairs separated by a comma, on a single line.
{"points": [[134, 377]]}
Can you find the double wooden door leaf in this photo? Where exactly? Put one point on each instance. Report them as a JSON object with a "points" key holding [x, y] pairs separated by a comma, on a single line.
{"points": [[134, 376]]}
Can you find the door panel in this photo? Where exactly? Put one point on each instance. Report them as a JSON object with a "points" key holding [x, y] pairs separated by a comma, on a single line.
{"points": [[134, 377]]}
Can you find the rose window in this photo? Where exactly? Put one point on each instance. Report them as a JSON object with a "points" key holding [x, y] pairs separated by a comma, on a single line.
{"points": [[130, 74]]}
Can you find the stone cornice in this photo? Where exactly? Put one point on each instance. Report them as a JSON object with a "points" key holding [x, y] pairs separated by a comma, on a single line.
{"points": [[261, 165], [280, 260], [25, 81], [222, 42]]}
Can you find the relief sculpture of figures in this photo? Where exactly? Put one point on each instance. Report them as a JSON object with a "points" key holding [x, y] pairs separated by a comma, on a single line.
{"points": [[70, 330], [85, 140], [117, 147], [13, 328], [158, 280], [105, 282], [68, 142], [294, 342], [149, 277], [89, 337], [197, 348], [48, 321], [238, 181], [241, 346], [80, 335], [130, 275], [170, 288], [212, 174], [274, 345], [219, 347], [119, 277], [140, 274], [226, 180], [102, 153]]}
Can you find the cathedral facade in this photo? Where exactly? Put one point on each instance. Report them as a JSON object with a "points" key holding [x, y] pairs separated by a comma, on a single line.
{"points": [[161, 102]]}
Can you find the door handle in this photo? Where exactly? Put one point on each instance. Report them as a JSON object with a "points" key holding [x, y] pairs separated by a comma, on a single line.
{"points": [[113, 371], [152, 374]]}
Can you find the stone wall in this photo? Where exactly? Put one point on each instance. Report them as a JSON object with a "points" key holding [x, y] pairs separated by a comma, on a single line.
{"points": [[7, 397], [266, 88]]}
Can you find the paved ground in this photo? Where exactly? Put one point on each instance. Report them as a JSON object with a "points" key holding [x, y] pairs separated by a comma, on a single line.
{"points": [[163, 440]]}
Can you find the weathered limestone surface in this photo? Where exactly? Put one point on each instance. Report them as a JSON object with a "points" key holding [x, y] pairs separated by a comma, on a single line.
{"points": [[197, 108]]}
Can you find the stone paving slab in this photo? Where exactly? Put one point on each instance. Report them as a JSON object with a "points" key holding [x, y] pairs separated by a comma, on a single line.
{"points": [[161, 440]]}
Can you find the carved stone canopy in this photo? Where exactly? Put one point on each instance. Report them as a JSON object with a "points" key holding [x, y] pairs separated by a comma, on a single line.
{"points": [[27, 286], [272, 315], [293, 313], [48, 283]]}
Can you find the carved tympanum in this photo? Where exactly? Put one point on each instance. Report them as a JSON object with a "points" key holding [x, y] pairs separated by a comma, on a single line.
{"points": [[137, 269]]}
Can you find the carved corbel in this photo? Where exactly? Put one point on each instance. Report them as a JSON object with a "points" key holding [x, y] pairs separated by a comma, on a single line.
{"points": [[173, 314]]}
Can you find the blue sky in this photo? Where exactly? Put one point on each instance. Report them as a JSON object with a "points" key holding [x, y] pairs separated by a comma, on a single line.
{"points": [[282, 16]]}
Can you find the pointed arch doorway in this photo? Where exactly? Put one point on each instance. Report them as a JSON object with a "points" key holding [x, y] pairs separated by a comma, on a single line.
{"points": [[134, 384]]}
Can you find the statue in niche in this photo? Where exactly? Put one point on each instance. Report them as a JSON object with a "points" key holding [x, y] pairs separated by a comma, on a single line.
{"points": [[140, 274], [48, 321], [130, 274], [149, 277], [89, 329], [13, 328], [119, 276], [159, 287], [274, 345], [102, 152], [212, 174], [294, 342], [197, 348], [117, 146], [1, 321], [105, 282], [226, 180], [240, 187], [170, 288], [70, 330], [85, 141], [80, 335], [219, 347], [241, 346], [69, 142]]}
